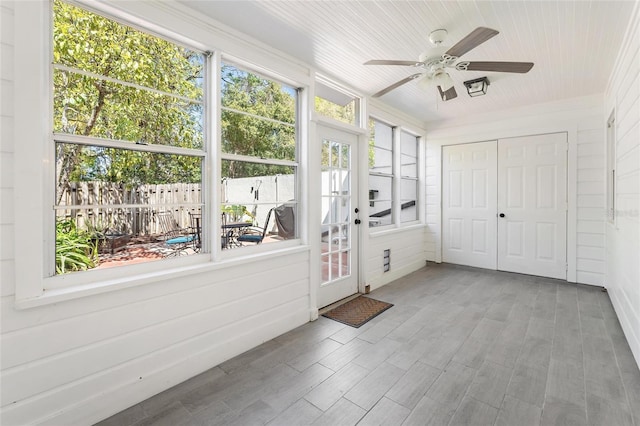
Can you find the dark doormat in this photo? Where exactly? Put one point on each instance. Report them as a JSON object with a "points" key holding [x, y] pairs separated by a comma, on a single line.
{"points": [[357, 311]]}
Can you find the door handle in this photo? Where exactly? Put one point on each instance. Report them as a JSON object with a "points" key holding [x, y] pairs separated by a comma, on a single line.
{"points": [[501, 214], [358, 221]]}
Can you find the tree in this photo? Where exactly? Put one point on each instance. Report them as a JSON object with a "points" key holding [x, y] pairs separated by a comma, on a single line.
{"points": [[88, 103], [273, 136]]}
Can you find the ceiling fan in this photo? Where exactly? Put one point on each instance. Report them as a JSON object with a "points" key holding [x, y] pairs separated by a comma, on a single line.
{"points": [[433, 72]]}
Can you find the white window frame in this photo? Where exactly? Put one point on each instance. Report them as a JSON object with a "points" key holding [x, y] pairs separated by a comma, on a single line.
{"points": [[393, 175], [415, 179], [397, 177], [34, 174], [252, 68]]}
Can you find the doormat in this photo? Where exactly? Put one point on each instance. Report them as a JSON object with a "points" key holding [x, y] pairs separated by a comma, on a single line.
{"points": [[357, 311]]}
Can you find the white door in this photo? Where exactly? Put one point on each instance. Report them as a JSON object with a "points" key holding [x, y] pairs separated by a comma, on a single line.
{"points": [[469, 204], [532, 206], [339, 236]]}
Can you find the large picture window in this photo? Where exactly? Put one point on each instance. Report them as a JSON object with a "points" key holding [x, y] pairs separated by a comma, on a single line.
{"points": [[259, 167], [128, 120]]}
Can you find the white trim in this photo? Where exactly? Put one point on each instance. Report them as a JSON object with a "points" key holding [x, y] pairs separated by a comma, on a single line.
{"points": [[572, 201], [128, 145], [62, 67], [248, 159], [31, 25], [256, 116]]}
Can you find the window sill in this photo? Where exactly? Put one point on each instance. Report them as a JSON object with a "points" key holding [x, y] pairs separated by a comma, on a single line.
{"points": [[61, 294], [396, 229]]}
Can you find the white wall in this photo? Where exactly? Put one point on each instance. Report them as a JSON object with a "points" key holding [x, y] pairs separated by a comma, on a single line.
{"points": [[622, 277], [81, 360], [581, 119]]}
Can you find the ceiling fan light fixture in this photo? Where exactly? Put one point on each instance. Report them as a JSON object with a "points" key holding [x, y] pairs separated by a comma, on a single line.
{"points": [[477, 87], [425, 82], [444, 81]]}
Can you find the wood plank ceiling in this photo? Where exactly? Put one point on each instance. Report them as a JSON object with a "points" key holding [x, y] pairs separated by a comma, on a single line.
{"points": [[572, 43]]}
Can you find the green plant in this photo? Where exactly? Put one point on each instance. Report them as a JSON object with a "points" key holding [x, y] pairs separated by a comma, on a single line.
{"points": [[74, 249], [237, 212]]}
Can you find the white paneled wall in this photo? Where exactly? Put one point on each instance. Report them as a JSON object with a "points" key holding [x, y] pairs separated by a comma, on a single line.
{"points": [[622, 276], [7, 284], [591, 203], [407, 254]]}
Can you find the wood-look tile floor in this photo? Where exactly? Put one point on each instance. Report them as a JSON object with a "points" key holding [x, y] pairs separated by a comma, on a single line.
{"points": [[461, 346]]}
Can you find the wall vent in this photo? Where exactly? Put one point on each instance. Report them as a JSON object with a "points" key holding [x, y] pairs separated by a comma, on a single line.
{"points": [[386, 260]]}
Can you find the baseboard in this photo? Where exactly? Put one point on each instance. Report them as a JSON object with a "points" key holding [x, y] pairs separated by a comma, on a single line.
{"points": [[622, 307]]}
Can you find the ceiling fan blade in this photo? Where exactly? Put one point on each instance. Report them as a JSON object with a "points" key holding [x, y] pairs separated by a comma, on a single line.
{"points": [[392, 62], [471, 41], [396, 85], [449, 94], [518, 67]]}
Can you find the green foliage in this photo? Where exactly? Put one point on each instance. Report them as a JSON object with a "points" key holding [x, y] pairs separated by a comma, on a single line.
{"points": [[346, 114], [75, 250], [248, 135], [98, 107], [237, 212]]}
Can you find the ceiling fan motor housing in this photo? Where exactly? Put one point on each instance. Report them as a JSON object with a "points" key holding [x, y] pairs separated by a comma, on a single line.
{"points": [[436, 37]]}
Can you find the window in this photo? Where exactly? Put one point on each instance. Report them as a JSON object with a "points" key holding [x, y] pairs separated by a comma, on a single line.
{"points": [[259, 156], [380, 174], [611, 168], [128, 137], [408, 177], [335, 103]]}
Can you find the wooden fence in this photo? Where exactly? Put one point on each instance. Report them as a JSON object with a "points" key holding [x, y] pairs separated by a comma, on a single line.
{"points": [[115, 208]]}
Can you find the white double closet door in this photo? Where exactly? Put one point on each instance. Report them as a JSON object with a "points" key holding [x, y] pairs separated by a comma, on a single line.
{"points": [[504, 204]]}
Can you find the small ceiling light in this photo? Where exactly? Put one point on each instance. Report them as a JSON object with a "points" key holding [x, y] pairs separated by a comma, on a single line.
{"points": [[477, 87]]}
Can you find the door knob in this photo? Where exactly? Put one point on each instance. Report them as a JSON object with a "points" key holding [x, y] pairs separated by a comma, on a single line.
{"points": [[358, 221], [356, 210], [501, 214]]}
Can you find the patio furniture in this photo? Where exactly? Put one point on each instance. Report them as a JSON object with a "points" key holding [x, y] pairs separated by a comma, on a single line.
{"points": [[286, 221], [254, 234], [178, 239]]}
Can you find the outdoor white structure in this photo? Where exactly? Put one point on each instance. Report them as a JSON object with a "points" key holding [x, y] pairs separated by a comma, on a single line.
{"points": [[79, 352]]}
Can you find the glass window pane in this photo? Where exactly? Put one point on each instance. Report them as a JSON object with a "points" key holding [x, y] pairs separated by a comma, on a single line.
{"points": [[248, 92], [409, 144], [345, 113], [246, 135], [382, 160], [409, 166], [92, 175], [408, 206], [382, 135], [92, 43], [98, 238], [380, 200], [125, 113]]}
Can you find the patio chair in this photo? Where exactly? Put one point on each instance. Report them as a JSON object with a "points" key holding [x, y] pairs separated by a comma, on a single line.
{"points": [[255, 234], [177, 239]]}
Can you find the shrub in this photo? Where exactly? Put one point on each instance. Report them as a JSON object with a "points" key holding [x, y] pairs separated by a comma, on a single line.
{"points": [[75, 250]]}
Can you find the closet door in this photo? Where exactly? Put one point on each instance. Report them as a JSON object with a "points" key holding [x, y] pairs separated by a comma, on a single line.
{"points": [[532, 207], [469, 204]]}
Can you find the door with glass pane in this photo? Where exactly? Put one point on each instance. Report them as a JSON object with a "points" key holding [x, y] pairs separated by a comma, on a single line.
{"points": [[339, 237]]}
